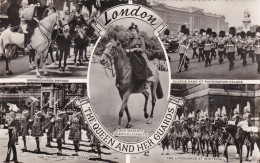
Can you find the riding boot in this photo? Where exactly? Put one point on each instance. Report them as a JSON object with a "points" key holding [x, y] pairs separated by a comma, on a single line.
{"points": [[24, 143], [37, 145]]}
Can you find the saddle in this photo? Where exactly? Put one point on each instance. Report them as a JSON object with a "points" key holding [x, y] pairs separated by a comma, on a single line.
{"points": [[16, 29]]}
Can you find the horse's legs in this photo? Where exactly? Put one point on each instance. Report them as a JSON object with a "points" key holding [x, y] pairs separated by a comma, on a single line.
{"points": [[66, 53], [124, 104], [80, 56], [240, 151], [146, 96], [76, 54], [207, 144], [129, 125], [38, 62], [153, 90], [60, 58], [226, 151]]}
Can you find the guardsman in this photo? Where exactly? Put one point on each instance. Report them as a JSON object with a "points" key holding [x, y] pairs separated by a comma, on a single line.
{"points": [[201, 37], [59, 128], [217, 115], [76, 124], [243, 42], [183, 46], [37, 125], [231, 42], [213, 45], [207, 47], [194, 44], [252, 48], [221, 46], [11, 124], [24, 121], [239, 46], [236, 117], [224, 117], [247, 114], [257, 48], [48, 126]]}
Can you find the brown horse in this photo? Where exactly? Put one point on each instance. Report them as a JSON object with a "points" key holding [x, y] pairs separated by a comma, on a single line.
{"points": [[126, 85]]}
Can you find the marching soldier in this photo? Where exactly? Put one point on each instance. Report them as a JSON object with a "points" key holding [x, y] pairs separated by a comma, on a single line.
{"points": [[257, 48], [244, 46], [24, 121], [201, 45], [48, 125], [37, 127], [194, 45], [239, 45], [183, 46], [231, 42], [76, 124], [213, 45], [221, 46], [207, 47], [60, 125], [252, 48], [12, 123]]}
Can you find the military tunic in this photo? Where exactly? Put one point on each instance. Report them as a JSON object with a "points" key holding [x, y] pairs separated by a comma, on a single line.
{"points": [[38, 124], [23, 121], [77, 122], [60, 123]]}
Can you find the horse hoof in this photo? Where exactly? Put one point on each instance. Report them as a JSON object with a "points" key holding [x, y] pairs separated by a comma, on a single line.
{"points": [[129, 125], [237, 156], [146, 115], [46, 74], [9, 73], [149, 121], [225, 160]]}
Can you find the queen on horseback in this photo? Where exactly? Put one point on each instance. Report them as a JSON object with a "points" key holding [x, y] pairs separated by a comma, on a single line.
{"points": [[140, 62]]}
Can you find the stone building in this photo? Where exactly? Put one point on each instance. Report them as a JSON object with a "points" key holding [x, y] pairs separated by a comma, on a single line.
{"points": [[194, 18], [214, 96]]}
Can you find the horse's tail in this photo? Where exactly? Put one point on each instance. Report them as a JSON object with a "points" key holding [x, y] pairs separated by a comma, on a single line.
{"points": [[2, 49], [159, 91]]}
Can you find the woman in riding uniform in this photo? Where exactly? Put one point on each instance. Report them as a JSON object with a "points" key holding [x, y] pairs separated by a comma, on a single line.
{"points": [[27, 16], [139, 60]]}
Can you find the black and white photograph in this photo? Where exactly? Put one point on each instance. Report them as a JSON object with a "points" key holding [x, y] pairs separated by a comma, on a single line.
{"points": [[42, 122], [217, 123], [211, 39], [129, 79], [48, 38]]}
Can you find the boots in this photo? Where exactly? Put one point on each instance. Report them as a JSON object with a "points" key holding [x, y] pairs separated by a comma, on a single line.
{"points": [[48, 144], [38, 145], [26, 41], [24, 144]]}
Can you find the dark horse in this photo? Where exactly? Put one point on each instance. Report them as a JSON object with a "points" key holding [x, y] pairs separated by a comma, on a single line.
{"points": [[126, 85]]}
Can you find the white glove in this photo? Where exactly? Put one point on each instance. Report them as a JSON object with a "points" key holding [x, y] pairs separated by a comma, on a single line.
{"points": [[30, 120], [52, 120], [68, 122]]}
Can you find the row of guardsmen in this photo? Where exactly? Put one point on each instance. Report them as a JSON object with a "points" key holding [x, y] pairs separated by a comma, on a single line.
{"points": [[207, 42], [53, 125]]}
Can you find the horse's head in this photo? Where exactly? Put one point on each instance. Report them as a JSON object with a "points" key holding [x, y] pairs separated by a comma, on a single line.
{"points": [[63, 21], [109, 53]]}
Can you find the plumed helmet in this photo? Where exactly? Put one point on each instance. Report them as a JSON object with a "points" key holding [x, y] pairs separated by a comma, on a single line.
{"points": [[166, 32], [201, 116], [217, 114], [248, 33], [133, 26], [234, 117], [224, 118], [257, 29], [246, 115], [236, 111], [209, 31], [202, 31], [222, 33], [223, 112], [247, 108], [206, 113], [232, 31], [253, 34], [214, 34], [243, 34]]}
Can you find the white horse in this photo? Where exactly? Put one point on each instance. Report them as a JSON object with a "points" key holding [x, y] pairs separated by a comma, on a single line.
{"points": [[40, 39]]}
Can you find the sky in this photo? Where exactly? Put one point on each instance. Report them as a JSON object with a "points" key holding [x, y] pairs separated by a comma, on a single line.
{"points": [[232, 9]]}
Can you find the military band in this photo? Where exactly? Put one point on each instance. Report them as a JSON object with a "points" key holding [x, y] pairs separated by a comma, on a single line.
{"points": [[206, 45]]}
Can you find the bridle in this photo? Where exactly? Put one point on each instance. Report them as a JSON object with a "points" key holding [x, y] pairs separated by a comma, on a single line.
{"points": [[109, 66]]}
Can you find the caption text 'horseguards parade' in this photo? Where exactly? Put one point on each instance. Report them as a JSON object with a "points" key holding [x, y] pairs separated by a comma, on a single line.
{"points": [[44, 121]]}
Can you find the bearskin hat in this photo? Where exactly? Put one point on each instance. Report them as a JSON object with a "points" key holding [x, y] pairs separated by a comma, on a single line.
{"points": [[248, 33], [183, 29], [253, 34], [209, 31], [166, 32], [257, 29], [214, 34], [222, 33], [232, 31], [243, 34], [133, 26], [238, 34], [202, 31]]}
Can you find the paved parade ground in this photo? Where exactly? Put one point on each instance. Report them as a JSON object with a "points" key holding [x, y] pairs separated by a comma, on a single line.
{"points": [[106, 102], [20, 68], [49, 154], [197, 70], [155, 155]]}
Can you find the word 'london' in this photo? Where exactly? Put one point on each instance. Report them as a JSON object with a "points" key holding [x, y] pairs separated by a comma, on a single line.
{"points": [[127, 12]]}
